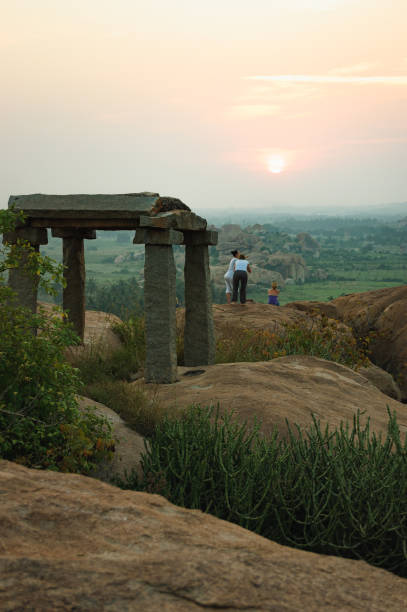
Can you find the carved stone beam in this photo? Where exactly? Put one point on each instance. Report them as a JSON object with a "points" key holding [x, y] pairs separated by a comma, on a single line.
{"points": [[179, 220], [158, 236], [73, 232], [208, 237]]}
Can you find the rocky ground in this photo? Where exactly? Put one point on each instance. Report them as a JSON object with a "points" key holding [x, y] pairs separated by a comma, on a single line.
{"points": [[74, 543]]}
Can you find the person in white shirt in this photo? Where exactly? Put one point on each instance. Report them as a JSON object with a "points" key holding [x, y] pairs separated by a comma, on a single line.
{"points": [[242, 268], [229, 275]]}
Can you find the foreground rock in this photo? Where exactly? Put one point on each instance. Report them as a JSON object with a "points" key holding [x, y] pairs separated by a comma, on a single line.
{"points": [[383, 312], [128, 444], [292, 388], [74, 543]]}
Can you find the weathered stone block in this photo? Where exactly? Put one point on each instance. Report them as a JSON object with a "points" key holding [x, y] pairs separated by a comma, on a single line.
{"points": [[204, 238], [66, 232], [165, 204], [85, 205], [33, 235], [158, 236], [180, 219], [159, 307]]}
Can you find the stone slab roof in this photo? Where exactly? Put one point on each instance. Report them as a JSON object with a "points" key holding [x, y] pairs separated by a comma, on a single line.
{"points": [[106, 211], [85, 205]]}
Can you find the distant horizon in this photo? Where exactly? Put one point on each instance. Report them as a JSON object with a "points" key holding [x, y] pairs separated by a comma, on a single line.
{"points": [[390, 208]]}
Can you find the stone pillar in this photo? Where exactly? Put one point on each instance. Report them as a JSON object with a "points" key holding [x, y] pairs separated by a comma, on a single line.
{"points": [[20, 280], [159, 303], [73, 296], [199, 337]]}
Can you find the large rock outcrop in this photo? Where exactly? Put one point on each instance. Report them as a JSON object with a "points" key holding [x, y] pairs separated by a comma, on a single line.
{"points": [[74, 543], [232, 320], [292, 388], [308, 244], [383, 312], [289, 265]]}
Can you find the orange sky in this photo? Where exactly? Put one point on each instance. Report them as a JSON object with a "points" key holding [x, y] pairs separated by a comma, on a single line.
{"points": [[205, 101]]}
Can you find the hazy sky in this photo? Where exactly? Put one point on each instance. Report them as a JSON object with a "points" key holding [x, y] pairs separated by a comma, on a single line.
{"points": [[225, 104]]}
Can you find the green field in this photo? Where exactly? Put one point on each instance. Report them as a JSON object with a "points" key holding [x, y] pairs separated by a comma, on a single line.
{"points": [[354, 257], [321, 291], [99, 257]]}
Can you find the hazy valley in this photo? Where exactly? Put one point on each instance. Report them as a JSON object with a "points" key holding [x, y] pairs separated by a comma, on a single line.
{"points": [[311, 258]]}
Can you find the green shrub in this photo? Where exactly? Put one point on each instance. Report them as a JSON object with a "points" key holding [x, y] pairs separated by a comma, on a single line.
{"points": [[132, 334], [40, 423], [139, 411], [339, 493], [97, 365], [107, 377]]}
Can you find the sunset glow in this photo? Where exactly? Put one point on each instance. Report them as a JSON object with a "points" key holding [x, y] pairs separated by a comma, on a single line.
{"points": [[276, 164], [160, 96]]}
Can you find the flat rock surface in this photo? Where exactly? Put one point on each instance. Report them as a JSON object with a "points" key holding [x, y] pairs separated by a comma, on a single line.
{"points": [[292, 388], [256, 316], [253, 316], [74, 543]]}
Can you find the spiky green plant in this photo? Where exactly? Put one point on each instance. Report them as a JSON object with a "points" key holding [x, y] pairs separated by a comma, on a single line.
{"points": [[341, 492]]}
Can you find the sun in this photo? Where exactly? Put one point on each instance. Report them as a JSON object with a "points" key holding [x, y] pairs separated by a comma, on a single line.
{"points": [[276, 164]]}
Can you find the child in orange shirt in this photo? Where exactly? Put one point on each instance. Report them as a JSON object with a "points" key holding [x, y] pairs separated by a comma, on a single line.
{"points": [[273, 294]]}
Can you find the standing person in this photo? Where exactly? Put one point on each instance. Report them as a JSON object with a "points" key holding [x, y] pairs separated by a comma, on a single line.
{"points": [[242, 267], [273, 294], [229, 275]]}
